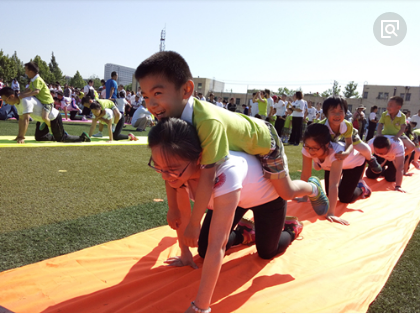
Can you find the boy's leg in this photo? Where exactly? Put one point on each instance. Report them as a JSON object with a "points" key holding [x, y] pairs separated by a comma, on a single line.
{"points": [[275, 168], [117, 115], [117, 133], [57, 130], [45, 112], [371, 175], [366, 152], [348, 191], [409, 148]]}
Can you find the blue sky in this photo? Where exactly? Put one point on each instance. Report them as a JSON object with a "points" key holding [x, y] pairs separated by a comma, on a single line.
{"points": [[269, 44]]}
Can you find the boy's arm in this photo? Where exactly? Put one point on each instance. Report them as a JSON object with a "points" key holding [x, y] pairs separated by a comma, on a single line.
{"points": [[203, 195], [23, 127], [109, 124], [28, 93], [379, 129], [400, 132], [335, 176], [347, 150]]}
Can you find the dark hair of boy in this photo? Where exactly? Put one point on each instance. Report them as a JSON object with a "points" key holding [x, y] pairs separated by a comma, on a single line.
{"points": [[32, 67], [121, 94], [176, 138], [167, 63], [7, 91], [299, 95], [103, 82], [333, 102], [381, 142], [267, 92], [253, 94], [59, 93], [373, 108], [57, 83], [90, 81], [113, 74], [86, 100], [398, 100], [95, 106], [319, 133]]}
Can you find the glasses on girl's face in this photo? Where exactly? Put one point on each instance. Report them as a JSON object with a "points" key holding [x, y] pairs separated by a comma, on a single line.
{"points": [[313, 149], [174, 175]]}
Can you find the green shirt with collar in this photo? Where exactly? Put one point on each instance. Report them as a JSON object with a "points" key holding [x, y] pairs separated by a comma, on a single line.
{"points": [[44, 95], [392, 126]]}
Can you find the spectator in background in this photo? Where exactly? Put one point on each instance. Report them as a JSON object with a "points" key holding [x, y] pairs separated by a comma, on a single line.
{"points": [[270, 103], [103, 89], [134, 106], [112, 87], [142, 118], [416, 119], [253, 105], [1, 83], [231, 106], [219, 102], [224, 104], [358, 118], [201, 97], [297, 118], [245, 110], [280, 112], [373, 122], [15, 85], [88, 90], [311, 113], [67, 91], [121, 89], [211, 99], [121, 102], [58, 86]]}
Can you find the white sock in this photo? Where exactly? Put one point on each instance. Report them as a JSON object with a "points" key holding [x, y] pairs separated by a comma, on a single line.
{"points": [[314, 190]]}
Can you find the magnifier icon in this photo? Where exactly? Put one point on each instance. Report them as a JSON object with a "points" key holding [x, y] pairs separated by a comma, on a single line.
{"points": [[389, 28], [392, 27]]}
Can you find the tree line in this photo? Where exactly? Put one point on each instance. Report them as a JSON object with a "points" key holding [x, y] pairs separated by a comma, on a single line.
{"points": [[12, 67]]}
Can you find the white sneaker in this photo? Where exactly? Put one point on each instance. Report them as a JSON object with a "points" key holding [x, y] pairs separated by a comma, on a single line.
{"points": [[99, 134]]}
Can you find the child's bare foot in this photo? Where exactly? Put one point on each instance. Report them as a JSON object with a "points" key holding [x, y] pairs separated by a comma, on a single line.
{"points": [[416, 164]]}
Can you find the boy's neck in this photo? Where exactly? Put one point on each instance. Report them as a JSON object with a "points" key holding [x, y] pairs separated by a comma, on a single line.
{"points": [[393, 115]]}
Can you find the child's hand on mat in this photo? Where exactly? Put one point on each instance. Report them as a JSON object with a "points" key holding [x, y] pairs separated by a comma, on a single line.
{"points": [[339, 220], [21, 141], [301, 199], [174, 219], [341, 155], [191, 234], [110, 141], [181, 261]]}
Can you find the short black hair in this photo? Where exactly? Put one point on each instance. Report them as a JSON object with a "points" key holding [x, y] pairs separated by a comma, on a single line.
{"points": [[381, 141], [113, 74], [399, 100], [32, 67], [103, 82], [170, 64], [177, 138], [121, 94], [373, 108], [86, 99], [317, 132], [7, 91], [90, 81], [333, 102], [95, 106]]}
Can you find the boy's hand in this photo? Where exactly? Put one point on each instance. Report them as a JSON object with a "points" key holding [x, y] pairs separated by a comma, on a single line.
{"points": [[174, 219], [396, 138], [341, 155], [186, 259], [21, 141], [339, 220], [191, 234]]}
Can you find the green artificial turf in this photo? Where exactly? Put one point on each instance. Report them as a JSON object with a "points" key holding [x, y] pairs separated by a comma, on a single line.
{"points": [[108, 193]]}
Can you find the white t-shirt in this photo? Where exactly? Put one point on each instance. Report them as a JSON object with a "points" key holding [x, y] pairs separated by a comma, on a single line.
{"points": [[103, 93], [34, 107], [219, 104], [270, 104], [140, 113], [254, 108], [121, 102], [372, 116], [311, 114], [416, 118], [318, 112], [240, 171], [67, 102], [352, 161], [396, 149], [280, 108], [86, 89], [109, 115], [298, 104]]}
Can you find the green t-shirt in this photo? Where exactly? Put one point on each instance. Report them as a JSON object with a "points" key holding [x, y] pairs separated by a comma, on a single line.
{"points": [[106, 103], [345, 131], [392, 127], [262, 107], [44, 95], [288, 121], [220, 130]]}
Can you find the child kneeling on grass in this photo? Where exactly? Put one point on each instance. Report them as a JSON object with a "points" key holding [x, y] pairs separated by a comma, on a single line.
{"points": [[239, 186], [167, 88], [106, 117]]}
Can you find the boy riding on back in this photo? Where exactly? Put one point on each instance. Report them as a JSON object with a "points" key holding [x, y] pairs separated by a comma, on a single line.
{"points": [[167, 88]]}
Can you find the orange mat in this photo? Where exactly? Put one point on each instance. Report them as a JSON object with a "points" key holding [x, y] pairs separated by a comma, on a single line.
{"points": [[334, 268]]}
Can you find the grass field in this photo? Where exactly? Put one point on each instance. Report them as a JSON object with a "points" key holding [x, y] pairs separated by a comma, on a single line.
{"points": [[108, 193]]}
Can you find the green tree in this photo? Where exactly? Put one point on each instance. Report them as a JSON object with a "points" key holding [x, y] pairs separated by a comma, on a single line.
{"points": [[335, 90], [44, 70], [55, 70], [128, 87], [350, 90], [7, 69], [327, 93], [288, 92], [77, 81], [20, 71]]}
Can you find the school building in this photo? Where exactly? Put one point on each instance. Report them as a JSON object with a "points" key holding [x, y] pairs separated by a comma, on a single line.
{"points": [[125, 74]]}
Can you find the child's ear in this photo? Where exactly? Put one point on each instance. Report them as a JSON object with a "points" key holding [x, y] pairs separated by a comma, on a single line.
{"points": [[187, 89]]}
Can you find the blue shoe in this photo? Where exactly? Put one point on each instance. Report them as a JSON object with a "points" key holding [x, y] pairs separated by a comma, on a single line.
{"points": [[320, 203], [365, 189], [42, 126]]}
